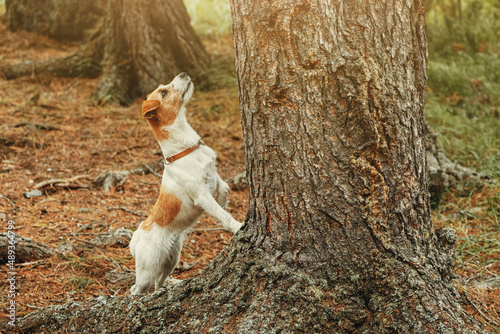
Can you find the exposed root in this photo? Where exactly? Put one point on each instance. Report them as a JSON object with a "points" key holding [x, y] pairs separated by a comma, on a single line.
{"points": [[26, 249], [75, 65], [442, 173]]}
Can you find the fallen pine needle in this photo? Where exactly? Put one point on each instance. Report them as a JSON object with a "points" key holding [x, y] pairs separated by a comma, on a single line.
{"points": [[8, 200], [491, 321], [126, 210]]}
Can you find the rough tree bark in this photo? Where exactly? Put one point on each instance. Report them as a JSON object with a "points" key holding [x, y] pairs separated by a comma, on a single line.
{"points": [[135, 45], [339, 237]]}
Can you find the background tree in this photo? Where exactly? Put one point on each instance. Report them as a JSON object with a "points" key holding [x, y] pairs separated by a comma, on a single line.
{"points": [[339, 236], [134, 45]]}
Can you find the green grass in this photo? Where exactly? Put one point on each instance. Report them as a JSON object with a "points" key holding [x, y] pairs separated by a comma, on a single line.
{"points": [[463, 105], [474, 211], [476, 75], [78, 283], [469, 134]]}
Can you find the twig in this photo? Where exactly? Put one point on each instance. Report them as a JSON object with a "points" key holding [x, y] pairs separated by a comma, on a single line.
{"points": [[127, 149], [81, 240], [112, 260], [126, 210], [115, 292], [63, 182], [35, 307], [152, 171], [30, 263], [8, 200]]}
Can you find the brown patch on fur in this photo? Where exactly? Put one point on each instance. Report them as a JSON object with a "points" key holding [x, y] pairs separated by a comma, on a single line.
{"points": [[164, 211], [160, 112]]}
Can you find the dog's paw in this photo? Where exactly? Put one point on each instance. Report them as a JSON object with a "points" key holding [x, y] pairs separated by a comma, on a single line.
{"points": [[133, 290], [235, 226]]}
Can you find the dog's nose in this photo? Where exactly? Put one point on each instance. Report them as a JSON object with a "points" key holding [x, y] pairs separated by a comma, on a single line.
{"points": [[182, 75]]}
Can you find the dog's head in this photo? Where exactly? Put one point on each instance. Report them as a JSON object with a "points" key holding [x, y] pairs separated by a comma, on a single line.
{"points": [[165, 103]]}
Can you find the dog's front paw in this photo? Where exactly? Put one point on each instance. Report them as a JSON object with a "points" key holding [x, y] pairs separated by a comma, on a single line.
{"points": [[235, 226]]}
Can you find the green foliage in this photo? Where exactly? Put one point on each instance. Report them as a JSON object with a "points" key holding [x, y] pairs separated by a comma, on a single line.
{"points": [[468, 75], [463, 105], [211, 20]]}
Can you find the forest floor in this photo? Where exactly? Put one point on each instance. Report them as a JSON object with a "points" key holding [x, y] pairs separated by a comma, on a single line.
{"points": [[51, 130]]}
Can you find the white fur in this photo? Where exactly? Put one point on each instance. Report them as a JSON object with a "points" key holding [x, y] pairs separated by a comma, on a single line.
{"points": [[194, 180]]}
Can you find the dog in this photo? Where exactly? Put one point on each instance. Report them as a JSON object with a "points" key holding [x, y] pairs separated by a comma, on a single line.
{"points": [[190, 186]]}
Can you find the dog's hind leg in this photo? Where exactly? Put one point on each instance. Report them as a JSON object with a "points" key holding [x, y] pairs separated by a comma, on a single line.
{"points": [[171, 260], [160, 280], [143, 281]]}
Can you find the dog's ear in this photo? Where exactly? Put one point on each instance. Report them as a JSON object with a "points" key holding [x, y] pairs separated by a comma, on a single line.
{"points": [[149, 108]]}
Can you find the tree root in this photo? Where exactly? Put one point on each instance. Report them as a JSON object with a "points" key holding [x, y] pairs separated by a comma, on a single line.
{"points": [[443, 174], [36, 125], [75, 65], [245, 290], [26, 249]]}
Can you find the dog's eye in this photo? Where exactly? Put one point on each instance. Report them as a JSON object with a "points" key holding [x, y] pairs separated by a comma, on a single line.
{"points": [[164, 93]]}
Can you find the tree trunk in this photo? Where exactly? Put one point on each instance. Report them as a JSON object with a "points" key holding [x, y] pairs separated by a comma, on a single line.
{"points": [[338, 237], [136, 45]]}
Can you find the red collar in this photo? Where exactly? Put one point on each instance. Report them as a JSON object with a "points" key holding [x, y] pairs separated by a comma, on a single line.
{"points": [[181, 154]]}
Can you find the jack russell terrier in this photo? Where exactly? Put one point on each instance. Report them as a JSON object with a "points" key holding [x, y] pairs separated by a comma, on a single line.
{"points": [[189, 187]]}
